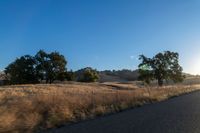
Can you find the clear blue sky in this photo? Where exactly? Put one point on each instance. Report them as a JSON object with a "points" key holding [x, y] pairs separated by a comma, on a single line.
{"points": [[104, 34]]}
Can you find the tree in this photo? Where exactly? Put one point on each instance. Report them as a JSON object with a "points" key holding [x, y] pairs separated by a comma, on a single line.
{"points": [[43, 66], [70, 76], [62, 76], [51, 66], [87, 75], [66, 75], [42, 61], [22, 70], [163, 66]]}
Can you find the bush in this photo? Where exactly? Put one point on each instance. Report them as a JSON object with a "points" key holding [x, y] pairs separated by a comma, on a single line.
{"points": [[87, 75]]}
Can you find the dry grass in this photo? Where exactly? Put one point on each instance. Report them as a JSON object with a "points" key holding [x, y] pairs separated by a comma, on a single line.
{"points": [[28, 108]]}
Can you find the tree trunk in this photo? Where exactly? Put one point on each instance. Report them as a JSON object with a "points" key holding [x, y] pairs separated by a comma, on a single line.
{"points": [[160, 82], [51, 81], [47, 81]]}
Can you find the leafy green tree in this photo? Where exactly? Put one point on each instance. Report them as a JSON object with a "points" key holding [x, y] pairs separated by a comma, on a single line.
{"points": [[163, 66], [43, 66], [22, 70], [70, 76], [42, 61], [87, 75], [57, 66], [62, 76], [51, 66]]}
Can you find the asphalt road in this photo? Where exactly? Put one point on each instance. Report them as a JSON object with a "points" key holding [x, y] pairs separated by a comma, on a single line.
{"points": [[177, 115]]}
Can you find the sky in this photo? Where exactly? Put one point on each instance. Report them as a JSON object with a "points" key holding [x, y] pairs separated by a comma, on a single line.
{"points": [[103, 34]]}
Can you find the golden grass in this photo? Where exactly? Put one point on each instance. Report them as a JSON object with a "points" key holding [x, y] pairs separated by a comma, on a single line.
{"points": [[27, 108]]}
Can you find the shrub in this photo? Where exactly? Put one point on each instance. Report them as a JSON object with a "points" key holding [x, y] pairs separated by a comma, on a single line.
{"points": [[87, 75]]}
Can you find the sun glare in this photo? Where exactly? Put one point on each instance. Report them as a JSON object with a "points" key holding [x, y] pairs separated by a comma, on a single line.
{"points": [[194, 67]]}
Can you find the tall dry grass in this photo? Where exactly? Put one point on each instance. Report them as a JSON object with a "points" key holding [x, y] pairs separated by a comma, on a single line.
{"points": [[28, 108]]}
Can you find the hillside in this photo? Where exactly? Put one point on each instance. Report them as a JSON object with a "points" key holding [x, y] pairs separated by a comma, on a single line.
{"points": [[129, 75], [118, 75]]}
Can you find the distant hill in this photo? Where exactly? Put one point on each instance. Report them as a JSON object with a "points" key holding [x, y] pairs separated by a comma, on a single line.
{"points": [[187, 75], [127, 75], [112, 76], [118, 75]]}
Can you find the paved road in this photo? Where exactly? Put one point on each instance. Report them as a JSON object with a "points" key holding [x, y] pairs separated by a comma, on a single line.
{"points": [[177, 115]]}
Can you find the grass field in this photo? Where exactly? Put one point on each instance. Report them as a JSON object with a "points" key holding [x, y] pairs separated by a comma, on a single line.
{"points": [[29, 108]]}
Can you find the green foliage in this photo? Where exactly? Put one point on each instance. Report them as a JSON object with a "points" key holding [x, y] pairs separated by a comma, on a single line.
{"points": [[70, 76], [43, 66], [87, 75], [62, 76], [163, 66], [50, 66], [22, 70]]}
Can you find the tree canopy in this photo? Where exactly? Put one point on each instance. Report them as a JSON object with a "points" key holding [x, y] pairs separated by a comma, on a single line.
{"points": [[43, 66], [22, 70], [50, 66], [163, 66], [87, 75]]}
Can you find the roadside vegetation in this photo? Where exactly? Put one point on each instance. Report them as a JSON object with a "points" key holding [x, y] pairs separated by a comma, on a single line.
{"points": [[32, 108]]}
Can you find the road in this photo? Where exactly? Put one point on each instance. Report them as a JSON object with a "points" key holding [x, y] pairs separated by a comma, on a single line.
{"points": [[177, 115]]}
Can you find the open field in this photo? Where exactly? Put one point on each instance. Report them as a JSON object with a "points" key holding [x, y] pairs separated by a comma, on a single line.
{"points": [[28, 108]]}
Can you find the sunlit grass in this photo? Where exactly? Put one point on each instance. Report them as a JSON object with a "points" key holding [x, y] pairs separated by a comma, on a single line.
{"points": [[27, 108]]}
